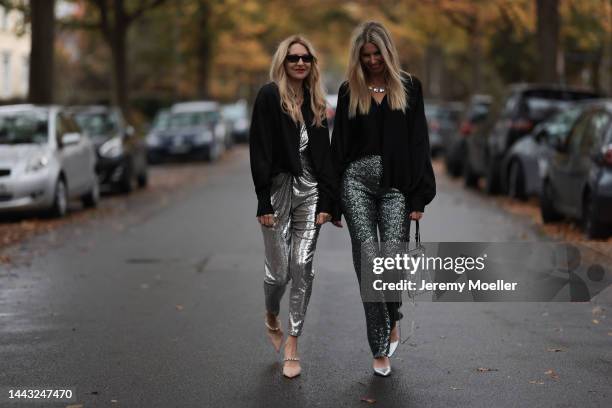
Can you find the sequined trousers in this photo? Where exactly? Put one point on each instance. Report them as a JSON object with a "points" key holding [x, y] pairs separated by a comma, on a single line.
{"points": [[368, 210], [290, 244]]}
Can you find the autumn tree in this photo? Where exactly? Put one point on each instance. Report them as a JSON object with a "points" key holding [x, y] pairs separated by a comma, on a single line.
{"points": [[114, 19]]}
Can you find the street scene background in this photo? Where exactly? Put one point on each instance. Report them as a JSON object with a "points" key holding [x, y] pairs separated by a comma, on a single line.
{"points": [[146, 288]]}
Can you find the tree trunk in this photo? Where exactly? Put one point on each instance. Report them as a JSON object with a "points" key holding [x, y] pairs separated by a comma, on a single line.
{"points": [[119, 54], [548, 39], [204, 49], [41, 55]]}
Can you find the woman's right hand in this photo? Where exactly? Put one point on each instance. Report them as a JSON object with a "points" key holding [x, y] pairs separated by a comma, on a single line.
{"points": [[267, 220]]}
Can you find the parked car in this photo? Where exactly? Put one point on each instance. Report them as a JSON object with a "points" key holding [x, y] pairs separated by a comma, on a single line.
{"points": [[331, 100], [236, 116], [193, 129], [45, 160], [578, 178], [122, 161], [527, 159], [473, 116], [522, 109], [442, 119]]}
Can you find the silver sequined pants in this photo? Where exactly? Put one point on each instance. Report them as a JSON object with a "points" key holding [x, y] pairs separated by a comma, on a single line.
{"points": [[290, 246], [369, 209]]}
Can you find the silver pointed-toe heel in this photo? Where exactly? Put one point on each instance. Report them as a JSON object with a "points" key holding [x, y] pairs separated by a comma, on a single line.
{"points": [[382, 372], [393, 347]]}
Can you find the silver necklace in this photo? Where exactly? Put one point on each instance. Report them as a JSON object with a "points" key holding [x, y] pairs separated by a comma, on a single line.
{"points": [[376, 89]]}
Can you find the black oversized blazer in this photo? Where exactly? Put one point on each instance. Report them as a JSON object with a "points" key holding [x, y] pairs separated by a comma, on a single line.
{"points": [[406, 156], [274, 148]]}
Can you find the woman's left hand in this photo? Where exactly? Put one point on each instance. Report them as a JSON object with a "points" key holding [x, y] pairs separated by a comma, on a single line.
{"points": [[322, 218], [416, 215]]}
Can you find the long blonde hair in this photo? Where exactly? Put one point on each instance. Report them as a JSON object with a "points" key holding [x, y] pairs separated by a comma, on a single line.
{"points": [[360, 98], [313, 82]]}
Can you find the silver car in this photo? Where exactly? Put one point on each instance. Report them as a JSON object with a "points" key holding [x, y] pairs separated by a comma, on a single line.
{"points": [[44, 160]]}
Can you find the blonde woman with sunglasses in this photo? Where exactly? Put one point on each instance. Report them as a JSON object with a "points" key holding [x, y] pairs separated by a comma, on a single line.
{"points": [[295, 184], [381, 152]]}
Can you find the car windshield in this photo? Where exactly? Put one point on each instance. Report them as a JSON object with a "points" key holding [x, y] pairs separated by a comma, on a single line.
{"points": [[188, 119], [432, 111], [97, 123], [561, 123], [161, 120], [235, 111], [24, 128]]}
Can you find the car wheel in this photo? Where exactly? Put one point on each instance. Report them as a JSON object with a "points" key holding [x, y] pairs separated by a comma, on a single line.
{"points": [[91, 199], [516, 181], [469, 177], [547, 207], [492, 179], [126, 184], [60, 199], [592, 228]]}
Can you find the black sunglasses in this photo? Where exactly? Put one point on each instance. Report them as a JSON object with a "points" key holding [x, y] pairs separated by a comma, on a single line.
{"points": [[293, 58]]}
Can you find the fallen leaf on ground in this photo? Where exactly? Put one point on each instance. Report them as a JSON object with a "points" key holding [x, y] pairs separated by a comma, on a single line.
{"points": [[552, 374], [179, 307], [538, 382], [609, 333], [5, 259], [597, 310], [368, 400], [554, 350], [595, 321], [456, 388], [486, 369]]}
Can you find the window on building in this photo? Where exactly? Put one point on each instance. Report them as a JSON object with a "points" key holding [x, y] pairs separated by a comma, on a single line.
{"points": [[26, 74], [4, 14], [6, 74]]}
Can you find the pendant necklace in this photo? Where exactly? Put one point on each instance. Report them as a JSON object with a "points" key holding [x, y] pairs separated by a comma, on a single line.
{"points": [[376, 89]]}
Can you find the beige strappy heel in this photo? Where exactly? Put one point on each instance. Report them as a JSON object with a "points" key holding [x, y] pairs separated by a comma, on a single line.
{"points": [[275, 334], [293, 371]]}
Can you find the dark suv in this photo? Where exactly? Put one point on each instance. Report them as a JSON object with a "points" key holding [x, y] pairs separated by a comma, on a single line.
{"points": [[525, 106]]}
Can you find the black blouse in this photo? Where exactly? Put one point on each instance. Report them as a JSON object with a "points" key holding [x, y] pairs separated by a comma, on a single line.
{"points": [[406, 157], [274, 148]]}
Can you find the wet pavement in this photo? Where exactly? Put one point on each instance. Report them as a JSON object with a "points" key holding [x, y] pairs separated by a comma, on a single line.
{"points": [[159, 303]]}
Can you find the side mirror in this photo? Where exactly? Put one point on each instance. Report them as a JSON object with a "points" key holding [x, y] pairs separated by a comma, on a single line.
{"points": [[70, 138]]}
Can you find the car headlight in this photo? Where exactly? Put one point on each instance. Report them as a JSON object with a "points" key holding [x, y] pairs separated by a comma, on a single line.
{"points": [[37, 164], [204, 137], [111, 148], [153, 140]]}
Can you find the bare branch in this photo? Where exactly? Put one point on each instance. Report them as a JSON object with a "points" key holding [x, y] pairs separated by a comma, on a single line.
{"points": [[144, 7]]}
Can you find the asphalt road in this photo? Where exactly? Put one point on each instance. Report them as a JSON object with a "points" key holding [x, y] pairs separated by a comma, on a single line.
{"points": [[162, 306]]}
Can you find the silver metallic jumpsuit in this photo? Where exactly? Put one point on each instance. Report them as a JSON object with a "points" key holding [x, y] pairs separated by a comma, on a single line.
{"points": [[290, 243]]}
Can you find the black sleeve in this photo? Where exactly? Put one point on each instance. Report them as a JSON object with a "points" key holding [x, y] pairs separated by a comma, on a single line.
{"points": [[425, 189], [260, 150], [326, 174], [338, 143]]}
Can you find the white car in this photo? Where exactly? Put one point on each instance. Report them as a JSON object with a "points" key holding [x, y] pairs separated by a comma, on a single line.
{"points": [[45, 160]]}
